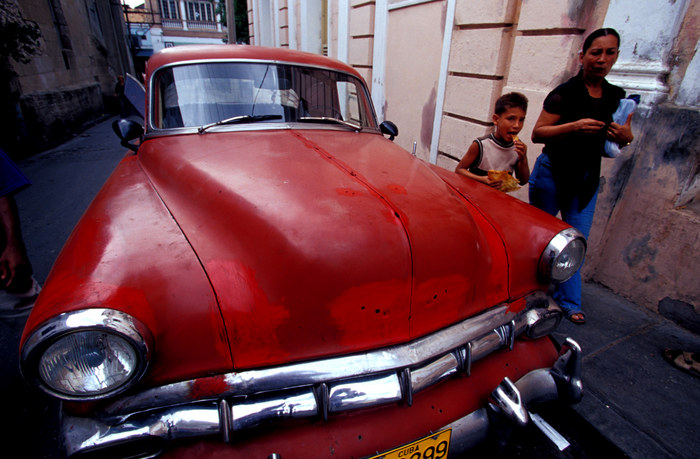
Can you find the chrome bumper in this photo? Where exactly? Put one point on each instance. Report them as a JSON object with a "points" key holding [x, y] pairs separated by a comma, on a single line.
{"points": [[142, 424], [510, 402]]}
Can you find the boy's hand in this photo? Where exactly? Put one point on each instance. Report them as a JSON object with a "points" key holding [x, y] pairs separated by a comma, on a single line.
{"points": [[520, 147], [493, 183]]}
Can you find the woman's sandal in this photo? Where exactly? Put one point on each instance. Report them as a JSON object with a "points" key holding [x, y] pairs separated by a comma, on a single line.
{"points": [[577, 317], [684, 360]]}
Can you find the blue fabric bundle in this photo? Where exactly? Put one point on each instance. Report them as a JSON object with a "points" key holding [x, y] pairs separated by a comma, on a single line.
{"points": [[626, 107]]}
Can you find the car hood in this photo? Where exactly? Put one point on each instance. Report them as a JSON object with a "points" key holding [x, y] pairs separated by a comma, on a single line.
{"points": [[324, 242]]}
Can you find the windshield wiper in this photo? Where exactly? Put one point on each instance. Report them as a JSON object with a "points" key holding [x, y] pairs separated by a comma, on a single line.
{"points": [[240, 119], [325, 119]]}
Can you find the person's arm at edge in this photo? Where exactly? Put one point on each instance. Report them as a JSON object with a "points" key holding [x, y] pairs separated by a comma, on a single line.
{"points": [[546, 127], [14, 253]]}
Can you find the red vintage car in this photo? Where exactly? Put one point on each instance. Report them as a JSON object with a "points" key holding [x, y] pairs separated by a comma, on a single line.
{"points": [[267, 274]]}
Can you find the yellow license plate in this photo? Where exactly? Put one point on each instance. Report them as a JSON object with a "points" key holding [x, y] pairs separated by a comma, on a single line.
{"points": [[433, 446]]}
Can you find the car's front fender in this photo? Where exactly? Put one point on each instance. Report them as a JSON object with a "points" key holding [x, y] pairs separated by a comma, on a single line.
{"points": [[128, 254]]}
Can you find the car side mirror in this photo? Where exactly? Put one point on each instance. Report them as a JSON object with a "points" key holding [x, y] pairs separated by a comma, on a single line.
{"points": [[128, 130], [390, 129]]}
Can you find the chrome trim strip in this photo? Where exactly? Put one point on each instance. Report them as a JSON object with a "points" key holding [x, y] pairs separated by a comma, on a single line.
{"points": [[83, 435], [150, 429], [435, 371], [352, 395], [301, 404], [479, 333]]}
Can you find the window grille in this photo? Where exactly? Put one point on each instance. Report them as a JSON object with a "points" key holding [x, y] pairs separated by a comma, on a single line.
{"points": [[169, 9], [200, 11]]}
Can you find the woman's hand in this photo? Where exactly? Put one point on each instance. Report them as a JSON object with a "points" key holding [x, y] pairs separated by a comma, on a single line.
{"points": [[588, 126], [621, 133]]}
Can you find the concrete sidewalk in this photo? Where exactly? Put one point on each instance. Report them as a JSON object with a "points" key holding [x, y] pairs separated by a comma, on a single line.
{"points": [[636, 399]]}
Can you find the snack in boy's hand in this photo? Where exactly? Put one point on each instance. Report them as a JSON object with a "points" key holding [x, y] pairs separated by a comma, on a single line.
{"points": [[508, 182]]}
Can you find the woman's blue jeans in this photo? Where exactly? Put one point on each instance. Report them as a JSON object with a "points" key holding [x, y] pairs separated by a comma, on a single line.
{"points": [[543, 194]]}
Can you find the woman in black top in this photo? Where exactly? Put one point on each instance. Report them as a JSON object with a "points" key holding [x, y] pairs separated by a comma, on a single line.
{"points": [[575, 122]]}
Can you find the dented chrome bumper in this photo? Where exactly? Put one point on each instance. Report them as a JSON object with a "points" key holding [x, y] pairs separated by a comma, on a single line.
{"points": [[144, 423]]}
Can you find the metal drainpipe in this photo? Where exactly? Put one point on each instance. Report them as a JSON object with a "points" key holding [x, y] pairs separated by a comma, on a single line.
{"points": [[442, 81]]}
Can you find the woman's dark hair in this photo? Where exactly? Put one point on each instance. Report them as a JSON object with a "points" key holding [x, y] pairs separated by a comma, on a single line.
{"points": [[600, 33]]}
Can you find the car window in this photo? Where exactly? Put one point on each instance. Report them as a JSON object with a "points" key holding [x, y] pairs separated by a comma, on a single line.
{"points": [[199, 94]]}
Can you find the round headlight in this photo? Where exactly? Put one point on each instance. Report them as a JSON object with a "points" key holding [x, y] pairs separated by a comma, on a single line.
{"points": [[88, 363], [87, 354], [563, 256]]}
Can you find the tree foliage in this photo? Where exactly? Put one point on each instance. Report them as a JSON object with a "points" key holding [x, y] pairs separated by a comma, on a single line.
{"points": [[240, 8]]}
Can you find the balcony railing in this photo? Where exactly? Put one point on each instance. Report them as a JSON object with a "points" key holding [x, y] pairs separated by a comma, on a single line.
{"points": [[172, 23], [188, 25], [201, 25]]}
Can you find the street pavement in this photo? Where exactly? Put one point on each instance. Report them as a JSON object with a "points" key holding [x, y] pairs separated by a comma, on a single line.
{"points": [[639, 402], [632, 396]]}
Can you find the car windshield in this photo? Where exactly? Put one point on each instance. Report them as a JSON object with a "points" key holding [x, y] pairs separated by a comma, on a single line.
{"points": [[201, 95]]}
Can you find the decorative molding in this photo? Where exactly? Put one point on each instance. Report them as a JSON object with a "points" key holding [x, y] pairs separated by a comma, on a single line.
{"points": [[646, 78]]}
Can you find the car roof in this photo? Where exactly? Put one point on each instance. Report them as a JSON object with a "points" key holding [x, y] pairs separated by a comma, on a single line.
{"points": [[184, 53]]}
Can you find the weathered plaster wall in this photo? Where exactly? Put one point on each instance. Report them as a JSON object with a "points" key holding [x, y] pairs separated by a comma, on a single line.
{"points": [[644, 241], [647, 237], [53, 115], [71, 54], [413, 62]]}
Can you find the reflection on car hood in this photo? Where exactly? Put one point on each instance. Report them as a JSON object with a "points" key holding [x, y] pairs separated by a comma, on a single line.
{"points": [[322, 242]]}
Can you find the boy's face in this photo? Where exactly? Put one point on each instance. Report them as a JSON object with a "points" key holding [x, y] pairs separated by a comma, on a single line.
{"points": [[509, 123]]}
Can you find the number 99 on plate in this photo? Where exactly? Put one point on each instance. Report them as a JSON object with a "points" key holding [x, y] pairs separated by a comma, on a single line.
{"points": [[434, 446]]}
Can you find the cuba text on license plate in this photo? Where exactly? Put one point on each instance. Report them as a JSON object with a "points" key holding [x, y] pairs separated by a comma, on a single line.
{"points": [[433, 446]]}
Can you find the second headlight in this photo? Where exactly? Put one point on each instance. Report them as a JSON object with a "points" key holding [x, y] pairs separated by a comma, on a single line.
{"points": [[563, 256]]}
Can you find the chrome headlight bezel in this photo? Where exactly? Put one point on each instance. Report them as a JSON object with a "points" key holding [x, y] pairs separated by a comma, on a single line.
{"points": [[118, 325], [567, 243]]}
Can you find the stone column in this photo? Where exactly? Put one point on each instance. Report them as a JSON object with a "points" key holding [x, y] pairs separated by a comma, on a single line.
{"points": [[183, 14], [647, 30]]}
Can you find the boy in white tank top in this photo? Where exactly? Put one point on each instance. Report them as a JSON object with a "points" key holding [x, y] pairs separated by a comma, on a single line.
{"points": [[501, 150]]}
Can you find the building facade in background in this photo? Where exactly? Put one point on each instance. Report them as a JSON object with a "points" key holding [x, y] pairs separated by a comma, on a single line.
{"points": [[82, 49], [71, 77], [436, 67], [157, 24]]}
